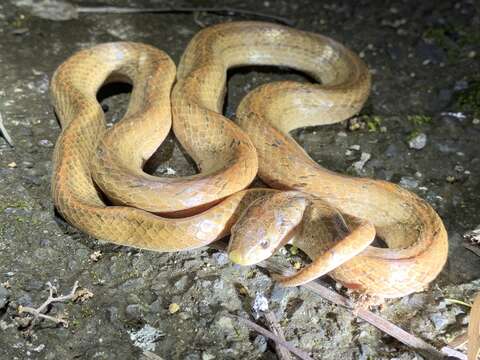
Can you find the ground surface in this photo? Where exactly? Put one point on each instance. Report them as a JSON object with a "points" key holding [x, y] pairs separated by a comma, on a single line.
{"points": [[425, 64]]}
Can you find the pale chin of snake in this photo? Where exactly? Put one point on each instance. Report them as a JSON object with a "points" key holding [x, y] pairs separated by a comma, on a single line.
{"points": [[174, 214]]}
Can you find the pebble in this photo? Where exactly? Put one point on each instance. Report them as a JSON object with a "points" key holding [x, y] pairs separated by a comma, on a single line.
{"points": [[45, 143], [260, 303], [4, 295], [112, 314], [220, 258], [440, 321], [355, 147], [392, 151], [207, 356], [358, 165], [181, 284], [408, 182], [260, 343], [418, 142], [134, 311], [476, 121]]}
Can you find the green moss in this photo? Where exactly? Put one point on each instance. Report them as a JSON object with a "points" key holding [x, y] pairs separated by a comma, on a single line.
{"points": [[413, 134], [373, 122], [437, 35], [469, 99], [419, 120], [452, 39]]}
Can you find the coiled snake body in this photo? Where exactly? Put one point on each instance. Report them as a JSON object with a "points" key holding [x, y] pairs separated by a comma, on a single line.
{"points": [[172, 214]]}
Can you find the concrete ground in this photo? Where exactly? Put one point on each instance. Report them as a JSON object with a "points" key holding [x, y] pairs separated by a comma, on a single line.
{"points": [[420, 127]]}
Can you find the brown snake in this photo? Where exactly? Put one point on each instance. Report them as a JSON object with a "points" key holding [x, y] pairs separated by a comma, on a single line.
{"points": [[172, 214]]}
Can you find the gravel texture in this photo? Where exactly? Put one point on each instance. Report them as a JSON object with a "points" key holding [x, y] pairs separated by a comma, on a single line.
{"points": [[420, 128]]}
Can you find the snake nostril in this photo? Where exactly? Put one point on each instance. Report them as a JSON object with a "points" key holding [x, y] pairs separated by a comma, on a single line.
{"points": [[264, 243]]}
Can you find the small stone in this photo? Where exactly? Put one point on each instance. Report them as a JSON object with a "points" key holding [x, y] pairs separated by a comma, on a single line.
{"points": [[355, 147], [358, 165], [181, 284], [134, 311], [408, 182], [260, 343], [342, 134], [260, 303], [476, 121], [12, 165], [39, 348], [225, 323], [439, 321], [472, 54], [418, 142], [207, 356], [96, 255], [173, 308], [112, 314], [459, 168], [220, 258], [45, 143], [4, 295]]}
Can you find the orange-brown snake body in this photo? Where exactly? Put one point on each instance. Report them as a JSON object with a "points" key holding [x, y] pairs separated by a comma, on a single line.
{"points": [[173, 214]]}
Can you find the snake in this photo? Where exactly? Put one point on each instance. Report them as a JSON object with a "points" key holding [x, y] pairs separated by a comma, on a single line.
{"points": [[99, 184]]}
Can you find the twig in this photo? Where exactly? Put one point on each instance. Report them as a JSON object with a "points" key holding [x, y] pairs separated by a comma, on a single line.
{"points": [[473, 248], [38, 312], [459, 341], [4, 132], [301, 354], [148, 355], [473, 346], [384, 325], [215, 10], [275, 328]]}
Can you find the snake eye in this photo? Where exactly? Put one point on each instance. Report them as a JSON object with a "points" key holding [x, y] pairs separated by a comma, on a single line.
{"points": [[264, 243]]}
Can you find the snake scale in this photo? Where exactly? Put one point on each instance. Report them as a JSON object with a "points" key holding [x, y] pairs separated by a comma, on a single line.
{"points": [[100, 187]]}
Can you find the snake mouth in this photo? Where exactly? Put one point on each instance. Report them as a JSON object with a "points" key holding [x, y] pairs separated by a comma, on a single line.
{"points": [[237, 257]]}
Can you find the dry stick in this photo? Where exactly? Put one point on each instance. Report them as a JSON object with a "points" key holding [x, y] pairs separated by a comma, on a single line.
{"points": [[272, 322], [386, 326], [38, 312], [4, 132], [301, 354], [148, 355], [459, 341], [224, 10], [473, 347], [473, 248]]}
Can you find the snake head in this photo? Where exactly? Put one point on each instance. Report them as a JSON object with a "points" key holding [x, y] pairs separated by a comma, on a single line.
{"points": [[266, 225]]}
